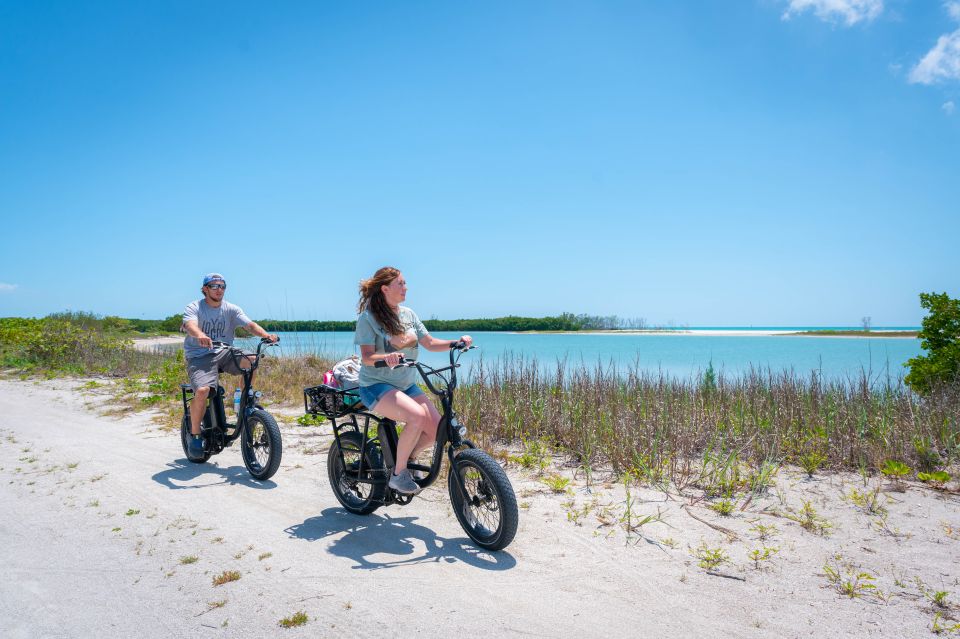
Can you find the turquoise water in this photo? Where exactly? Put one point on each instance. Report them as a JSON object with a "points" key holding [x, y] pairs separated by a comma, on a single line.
{"points": [[679, 355]]}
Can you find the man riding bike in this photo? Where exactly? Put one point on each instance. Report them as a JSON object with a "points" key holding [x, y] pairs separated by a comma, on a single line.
{"points": [[205, 321]]}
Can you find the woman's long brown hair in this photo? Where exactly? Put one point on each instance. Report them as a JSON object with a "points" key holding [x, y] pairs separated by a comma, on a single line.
{"points": [[372, 297]]}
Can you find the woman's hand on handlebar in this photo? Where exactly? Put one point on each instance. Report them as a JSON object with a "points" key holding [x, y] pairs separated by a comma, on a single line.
{"points": [[463, 343], [392, 359]]}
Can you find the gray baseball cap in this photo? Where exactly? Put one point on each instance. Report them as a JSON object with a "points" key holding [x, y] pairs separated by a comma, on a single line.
{"points": [[213, 277]]}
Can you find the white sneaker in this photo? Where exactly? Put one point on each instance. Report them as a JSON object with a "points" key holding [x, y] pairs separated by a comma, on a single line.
{"points": [[403, 483]]}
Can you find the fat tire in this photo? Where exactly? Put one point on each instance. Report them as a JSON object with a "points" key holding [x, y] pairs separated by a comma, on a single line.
{"points": [[493, 493], [269, 439], [185, 442], [352, 501]]}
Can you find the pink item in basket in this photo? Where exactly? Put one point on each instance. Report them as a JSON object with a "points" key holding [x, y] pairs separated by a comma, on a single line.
{"points": [[330, 380]]}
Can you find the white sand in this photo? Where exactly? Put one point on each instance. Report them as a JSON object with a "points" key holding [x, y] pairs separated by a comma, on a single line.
{"points": [[77, 565]]}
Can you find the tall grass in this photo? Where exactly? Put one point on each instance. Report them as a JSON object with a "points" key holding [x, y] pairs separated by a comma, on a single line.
{"points": [[657, 426], [650, 425]]}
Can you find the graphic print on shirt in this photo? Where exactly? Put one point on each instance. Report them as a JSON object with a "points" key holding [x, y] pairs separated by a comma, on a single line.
{"points": [[215, 329]]}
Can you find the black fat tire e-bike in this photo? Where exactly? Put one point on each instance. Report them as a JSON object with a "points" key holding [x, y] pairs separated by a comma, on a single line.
{"points": [[359, 463], [257, 430]]}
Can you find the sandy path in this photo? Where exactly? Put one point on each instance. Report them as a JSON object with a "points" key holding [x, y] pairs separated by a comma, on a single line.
{"points": [[78, 565]]}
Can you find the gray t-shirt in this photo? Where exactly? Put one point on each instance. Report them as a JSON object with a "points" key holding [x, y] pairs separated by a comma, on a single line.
{"points": [[370, 333], [217, 323]]}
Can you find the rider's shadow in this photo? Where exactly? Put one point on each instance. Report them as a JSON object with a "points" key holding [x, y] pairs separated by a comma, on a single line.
{"points": [[181, 474], [372, 535]]}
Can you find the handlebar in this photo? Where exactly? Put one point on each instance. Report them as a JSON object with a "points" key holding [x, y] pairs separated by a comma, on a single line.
{"points": [[426, 371]]}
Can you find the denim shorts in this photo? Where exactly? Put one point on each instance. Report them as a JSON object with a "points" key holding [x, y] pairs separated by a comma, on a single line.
{"points": [[370, 395]]}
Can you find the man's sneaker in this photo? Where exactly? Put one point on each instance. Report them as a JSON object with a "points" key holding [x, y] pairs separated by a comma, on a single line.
{"points": [[403, 483], [195, 447]]}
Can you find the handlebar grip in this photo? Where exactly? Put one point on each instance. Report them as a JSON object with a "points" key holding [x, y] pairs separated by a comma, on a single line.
{"points": [[382, 364], [458, 344]]}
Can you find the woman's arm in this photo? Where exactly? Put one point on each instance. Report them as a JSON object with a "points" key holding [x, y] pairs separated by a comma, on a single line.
{"points": [[431, 343], [369, 356]]}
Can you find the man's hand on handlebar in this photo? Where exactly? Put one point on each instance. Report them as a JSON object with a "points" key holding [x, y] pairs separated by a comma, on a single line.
{"points": [[205, 341]]}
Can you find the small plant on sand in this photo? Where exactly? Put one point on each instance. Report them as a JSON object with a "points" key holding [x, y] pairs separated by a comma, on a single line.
{"points": [[762, 479], [213, 605], [575, 515], [938, 629], [763, 531], [265, 555], [938, 598], [895, 470], [226, 577], [811, 461], [188, 559], [556, 483], [296, 619], [132, 511], [937, 479], [311, 419], [535, 455], [710, 558], [869, 501], [724, 507], [761, 555], [810, 520], [849, 581]]}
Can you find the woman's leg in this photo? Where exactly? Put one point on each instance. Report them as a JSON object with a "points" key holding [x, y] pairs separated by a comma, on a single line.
{"points": [[429, 435], [399, 407]]}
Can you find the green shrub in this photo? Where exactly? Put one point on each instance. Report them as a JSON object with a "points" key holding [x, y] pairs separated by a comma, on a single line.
{"points": [[940, 333]]}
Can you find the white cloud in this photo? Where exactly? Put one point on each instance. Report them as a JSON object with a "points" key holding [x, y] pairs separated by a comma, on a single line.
{"points": [[953, 8], [948, 107], [942, 62], [7, 288], [850, 11]]}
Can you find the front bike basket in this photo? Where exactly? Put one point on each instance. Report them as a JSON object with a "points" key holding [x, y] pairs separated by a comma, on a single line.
{"points": [[331, 402]]}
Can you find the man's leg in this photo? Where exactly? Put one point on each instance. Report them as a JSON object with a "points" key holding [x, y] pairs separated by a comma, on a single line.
{"points": [[197, 407]]}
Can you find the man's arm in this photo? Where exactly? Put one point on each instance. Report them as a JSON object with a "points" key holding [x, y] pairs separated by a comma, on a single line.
{"points": [[257, 330], [193, 330]]}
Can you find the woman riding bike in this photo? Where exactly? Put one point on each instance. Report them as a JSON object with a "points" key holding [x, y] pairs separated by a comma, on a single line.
{"points": [[388, 332]]}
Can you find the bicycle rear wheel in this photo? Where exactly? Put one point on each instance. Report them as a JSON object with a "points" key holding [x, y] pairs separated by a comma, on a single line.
{"points": [[483, 499], [359, 497], [260, 445]]}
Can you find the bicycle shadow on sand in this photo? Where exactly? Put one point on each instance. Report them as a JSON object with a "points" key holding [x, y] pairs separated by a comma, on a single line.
{"points": [[378, 535], [182, 475]]}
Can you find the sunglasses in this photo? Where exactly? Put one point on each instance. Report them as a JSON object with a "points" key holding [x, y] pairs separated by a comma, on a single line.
{"points": [[217, 287]]}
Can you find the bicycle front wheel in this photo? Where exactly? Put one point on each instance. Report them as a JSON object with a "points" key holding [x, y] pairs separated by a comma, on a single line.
{"points": [[483, 499], [261, 445]]}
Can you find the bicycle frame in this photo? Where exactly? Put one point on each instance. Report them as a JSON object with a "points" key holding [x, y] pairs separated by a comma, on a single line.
{"points": [[450, 432]]}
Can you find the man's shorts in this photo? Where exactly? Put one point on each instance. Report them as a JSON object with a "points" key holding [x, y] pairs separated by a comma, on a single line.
{"points": [[204, 370], [370, 395]]}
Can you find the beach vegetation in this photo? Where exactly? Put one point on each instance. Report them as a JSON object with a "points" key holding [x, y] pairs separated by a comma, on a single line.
{"points": [[848, 580], [809, 519], [710, 558], [937, 478], [895, 470], [940, 335], [296, 619], [759, 556], [226, 577]]}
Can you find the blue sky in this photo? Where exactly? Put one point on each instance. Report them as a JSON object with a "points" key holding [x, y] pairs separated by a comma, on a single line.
{"points": [[764, 162]]}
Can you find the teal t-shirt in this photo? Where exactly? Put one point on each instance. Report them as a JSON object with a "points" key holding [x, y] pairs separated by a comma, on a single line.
{"points": [[370, 333]]}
